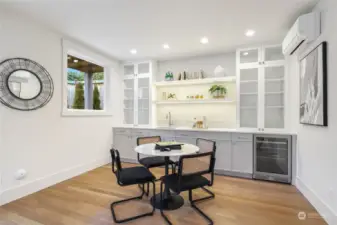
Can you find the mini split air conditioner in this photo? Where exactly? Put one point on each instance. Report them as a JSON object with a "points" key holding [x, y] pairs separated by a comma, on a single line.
{"points": [[307, 28]]}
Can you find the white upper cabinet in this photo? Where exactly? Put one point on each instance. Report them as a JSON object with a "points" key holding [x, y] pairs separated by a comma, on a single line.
{"points": [[144, 69], [261, 86], [248, 95], [129, 101], [272, 55], [249, 57], [137, 93]]}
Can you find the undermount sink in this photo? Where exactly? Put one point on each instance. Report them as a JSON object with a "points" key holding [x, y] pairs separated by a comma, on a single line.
{"points": [[164, 127], [173, 127], [183, 128]]}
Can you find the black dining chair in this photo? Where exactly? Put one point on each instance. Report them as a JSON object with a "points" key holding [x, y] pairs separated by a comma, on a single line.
{"points": [[206, 145], [191, 175], [130, 176], [153, 161]]}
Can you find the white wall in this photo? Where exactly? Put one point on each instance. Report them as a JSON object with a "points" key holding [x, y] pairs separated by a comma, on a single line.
{"points": [[194, 64], [317, 148], [50, 147]]}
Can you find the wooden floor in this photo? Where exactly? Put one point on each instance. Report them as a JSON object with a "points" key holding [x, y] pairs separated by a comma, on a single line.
{"points": [[86, 200]]}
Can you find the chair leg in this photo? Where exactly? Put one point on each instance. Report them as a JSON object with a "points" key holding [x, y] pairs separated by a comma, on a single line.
{"points": [[205, 198], [141, 187], [148, 189], [130, 199], [173, 168], [162, 204], [197, 209]]}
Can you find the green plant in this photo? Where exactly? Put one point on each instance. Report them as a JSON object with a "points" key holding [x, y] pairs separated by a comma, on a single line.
{"points": [[98, 76], [79, 97], [169, 76], [75, 76], [218, 90], [171, 96], [96, 99]]}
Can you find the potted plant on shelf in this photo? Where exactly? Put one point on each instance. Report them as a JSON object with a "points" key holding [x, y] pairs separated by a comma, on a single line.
{"points": [[218, 91]]}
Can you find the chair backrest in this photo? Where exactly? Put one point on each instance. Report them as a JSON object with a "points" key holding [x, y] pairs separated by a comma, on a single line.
{"points": [[115, 161], [206, 145], [196, 164], [148, 140]]}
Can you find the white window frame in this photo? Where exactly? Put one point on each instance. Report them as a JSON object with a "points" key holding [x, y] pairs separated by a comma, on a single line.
{"points": [[79, 51]]}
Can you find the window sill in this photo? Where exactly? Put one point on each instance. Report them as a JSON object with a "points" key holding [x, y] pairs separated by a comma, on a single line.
{"points": [[89, 113]]}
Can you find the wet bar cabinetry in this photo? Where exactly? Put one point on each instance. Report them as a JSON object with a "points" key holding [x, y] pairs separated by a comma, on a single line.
{"points": [[234, 154]]}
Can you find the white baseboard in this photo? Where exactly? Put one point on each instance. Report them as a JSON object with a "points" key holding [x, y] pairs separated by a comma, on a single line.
{"points": [[20, 191], [323, 209]]}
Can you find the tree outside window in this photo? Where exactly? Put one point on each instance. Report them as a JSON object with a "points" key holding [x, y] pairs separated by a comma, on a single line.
{"points": [[85, 84]]}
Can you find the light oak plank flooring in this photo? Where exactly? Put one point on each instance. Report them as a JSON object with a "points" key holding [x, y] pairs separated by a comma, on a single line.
{"points": [[86, 199]]}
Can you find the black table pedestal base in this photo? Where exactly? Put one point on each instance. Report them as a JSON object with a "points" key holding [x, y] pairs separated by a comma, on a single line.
{"points": [[170, 203]]}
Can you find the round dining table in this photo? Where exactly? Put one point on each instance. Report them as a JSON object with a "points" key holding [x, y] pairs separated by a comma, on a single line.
{"points": [[170, 202]]}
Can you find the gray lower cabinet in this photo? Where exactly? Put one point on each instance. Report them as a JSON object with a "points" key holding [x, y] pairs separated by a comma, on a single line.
{"points": [[242, 157], [223, 156], [123, 144], [188, 140], [234, 153]]}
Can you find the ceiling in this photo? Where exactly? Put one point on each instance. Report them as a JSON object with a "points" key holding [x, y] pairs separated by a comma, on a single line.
{"points": [[114, 27]]}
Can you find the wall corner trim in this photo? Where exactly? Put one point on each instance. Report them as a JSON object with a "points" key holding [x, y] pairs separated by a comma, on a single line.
{"points": [[323, 209]]}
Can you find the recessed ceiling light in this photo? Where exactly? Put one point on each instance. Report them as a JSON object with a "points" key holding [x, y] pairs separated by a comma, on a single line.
{"points": [[166, 46], [250, 33], [133, 51], [245, 53], [204, 40], [75, 60]]}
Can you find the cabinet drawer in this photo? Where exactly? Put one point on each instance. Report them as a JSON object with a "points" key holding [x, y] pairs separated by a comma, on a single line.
{"points": [[122, 131], [215, 136], [242, 137], [162, 133], [191, 134], [140, 133]]}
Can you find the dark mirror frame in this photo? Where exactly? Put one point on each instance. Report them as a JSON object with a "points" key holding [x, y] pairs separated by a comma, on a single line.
{"points": [[7, 83], [9, 99]]}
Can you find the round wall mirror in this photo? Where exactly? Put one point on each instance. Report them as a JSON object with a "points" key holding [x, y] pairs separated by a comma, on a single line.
{"points": [[24, 84]]}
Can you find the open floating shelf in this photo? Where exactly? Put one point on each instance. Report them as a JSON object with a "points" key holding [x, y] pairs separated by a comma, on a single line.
{"points": [[196, 81], [202, 101]]}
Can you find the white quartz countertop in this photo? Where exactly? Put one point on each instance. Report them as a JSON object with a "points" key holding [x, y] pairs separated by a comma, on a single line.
{"points": [[228, 130]]}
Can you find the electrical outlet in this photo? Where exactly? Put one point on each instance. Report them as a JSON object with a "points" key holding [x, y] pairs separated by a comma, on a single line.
{"points": [[20, 174]]}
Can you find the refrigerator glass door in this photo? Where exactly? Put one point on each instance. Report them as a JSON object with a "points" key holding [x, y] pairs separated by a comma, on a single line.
{"points": [[272, 155]]}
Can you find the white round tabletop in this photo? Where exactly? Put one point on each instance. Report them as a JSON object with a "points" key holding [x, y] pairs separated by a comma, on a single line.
{"points": [[149, 149]]}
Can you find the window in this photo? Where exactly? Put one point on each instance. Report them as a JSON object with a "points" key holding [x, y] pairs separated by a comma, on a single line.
{"points": [[85, 84], [86, 81]]}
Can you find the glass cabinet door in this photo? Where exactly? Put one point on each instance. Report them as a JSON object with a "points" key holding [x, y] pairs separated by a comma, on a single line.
{"points": [[143, 101], [249, 97], [129, 70], [249, 56], [143, 69], [274, 97], [273, 54], [129, 94]]}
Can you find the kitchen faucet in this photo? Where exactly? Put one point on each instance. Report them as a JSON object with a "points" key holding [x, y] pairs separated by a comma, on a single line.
{"points": [[169, 117]]}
